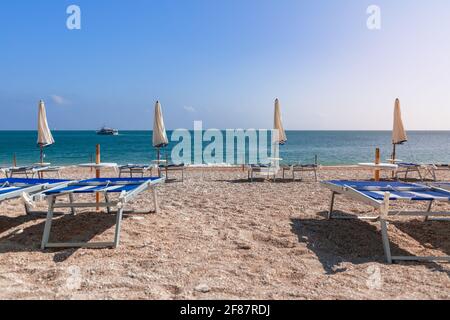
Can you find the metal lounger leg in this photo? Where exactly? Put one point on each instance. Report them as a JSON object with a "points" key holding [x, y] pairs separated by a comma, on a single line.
{"points": [[108, 209], [427, 218], [48, 223], [72, 209], [155, 199], [27, 209], [384, 211], [118, 227], [330, 211], [430, 206], [385, 237]]}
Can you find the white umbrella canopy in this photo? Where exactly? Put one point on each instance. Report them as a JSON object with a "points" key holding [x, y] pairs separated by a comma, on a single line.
{"points": [[45, 137], [278, 124], [398, 132], [159, 130]]}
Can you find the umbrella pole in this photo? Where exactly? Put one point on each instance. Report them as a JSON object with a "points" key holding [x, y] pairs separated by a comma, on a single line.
{"points": [[97, 173], [377, 161], [42, 154], [41, 175], [167, 164], [393, 157], [393, 152], [157, 163]]}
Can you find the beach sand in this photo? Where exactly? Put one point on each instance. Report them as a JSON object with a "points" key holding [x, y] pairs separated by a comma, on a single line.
{"points": [[218, 236]]}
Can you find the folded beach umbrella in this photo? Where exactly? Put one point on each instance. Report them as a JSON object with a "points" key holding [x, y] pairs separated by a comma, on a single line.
{"points": [[45, 137], [278, 124], [159, 130], [398, 133]]}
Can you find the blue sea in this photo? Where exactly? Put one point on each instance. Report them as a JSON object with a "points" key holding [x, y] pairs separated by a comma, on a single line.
{"points": [[330, 147]]}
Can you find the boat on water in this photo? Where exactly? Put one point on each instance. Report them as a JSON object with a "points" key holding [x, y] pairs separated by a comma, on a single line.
{"points": [[108, 132]]}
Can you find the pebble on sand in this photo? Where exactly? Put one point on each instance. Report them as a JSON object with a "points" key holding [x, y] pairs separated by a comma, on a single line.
{"points": [[202, 288]]}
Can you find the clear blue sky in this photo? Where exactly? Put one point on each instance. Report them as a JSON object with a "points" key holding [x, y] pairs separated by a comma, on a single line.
{"points": [[224, 62]]}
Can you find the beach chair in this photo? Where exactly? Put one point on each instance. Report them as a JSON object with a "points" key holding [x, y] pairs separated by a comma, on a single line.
{"points": [[32, 171], [408, 168], [443, 186], [13, 188], [135, 169], [172, 168], [432, 169], [380, 195], [127, 189], [300, 168], [268, 171]]}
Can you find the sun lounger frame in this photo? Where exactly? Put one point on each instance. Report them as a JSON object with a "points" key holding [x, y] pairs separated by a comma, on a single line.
{"points": [[407, 168], [31, 171], [269, 171], [134, 170], [383, 207], [301, 168], [432, 169], [32, 189], [124, 199], [171, 168]]}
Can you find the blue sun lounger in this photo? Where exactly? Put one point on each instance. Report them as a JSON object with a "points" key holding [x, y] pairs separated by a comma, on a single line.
{"points": [[126, 190], [380, 195], [13, 188]]}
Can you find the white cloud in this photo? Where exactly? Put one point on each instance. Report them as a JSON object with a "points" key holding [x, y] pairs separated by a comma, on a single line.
{"points": [[59, 99], [189, 109]]}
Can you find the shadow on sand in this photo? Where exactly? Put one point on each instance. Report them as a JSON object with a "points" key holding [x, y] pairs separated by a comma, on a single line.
{"points": [[8, 223], [431, 234], [80, 228], [354, 241]]}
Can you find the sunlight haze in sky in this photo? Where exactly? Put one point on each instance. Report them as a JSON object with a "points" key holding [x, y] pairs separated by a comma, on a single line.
{"points": [[224, 62]]}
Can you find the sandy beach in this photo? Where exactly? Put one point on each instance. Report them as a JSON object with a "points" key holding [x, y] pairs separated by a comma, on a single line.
{"points": [[219, 237]]}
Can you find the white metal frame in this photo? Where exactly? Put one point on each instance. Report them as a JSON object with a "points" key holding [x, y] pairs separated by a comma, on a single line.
{"points": [[32, 189], [301, 168], [269, 172], [432, 169], [124, 198], [407, 169], [132, 171], [32, 171], [383, 207], [168, 169]]}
